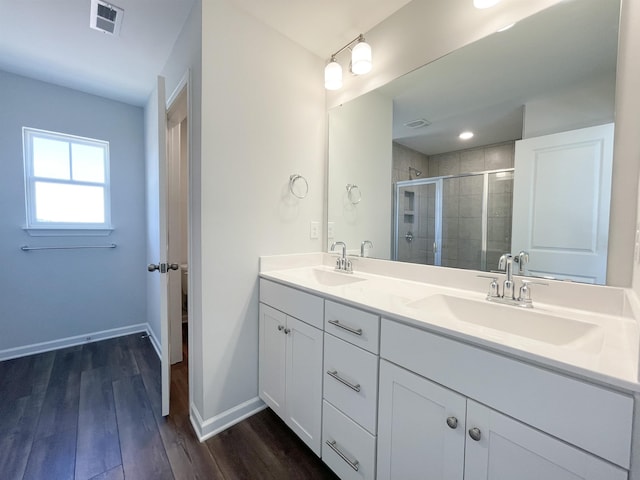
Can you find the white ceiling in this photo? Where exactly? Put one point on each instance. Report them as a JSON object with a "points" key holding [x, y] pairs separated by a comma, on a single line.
{"points": [[51, 40], [322, 27]]}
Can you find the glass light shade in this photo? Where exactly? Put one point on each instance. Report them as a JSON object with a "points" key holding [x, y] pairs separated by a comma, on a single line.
{"points": [[333, 76], [485, 3], [361, 58]]}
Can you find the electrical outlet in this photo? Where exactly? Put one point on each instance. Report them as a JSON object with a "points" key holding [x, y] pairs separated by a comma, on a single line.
{"points": [[314, 230], [331, 229]]}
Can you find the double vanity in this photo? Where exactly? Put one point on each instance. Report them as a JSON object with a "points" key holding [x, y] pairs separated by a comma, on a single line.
{"points": [[401, 371]]}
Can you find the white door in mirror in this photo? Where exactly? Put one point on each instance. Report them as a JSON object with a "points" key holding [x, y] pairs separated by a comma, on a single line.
{"points": [[562, 224]]}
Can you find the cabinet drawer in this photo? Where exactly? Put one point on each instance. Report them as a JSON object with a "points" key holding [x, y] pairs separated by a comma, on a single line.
{"points": [[591, 417], [353, 325], [298, 304], [347, 448], [351, 381]]}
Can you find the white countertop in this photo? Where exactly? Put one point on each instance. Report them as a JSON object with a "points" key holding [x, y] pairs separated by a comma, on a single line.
{"points": [[610, 358]]}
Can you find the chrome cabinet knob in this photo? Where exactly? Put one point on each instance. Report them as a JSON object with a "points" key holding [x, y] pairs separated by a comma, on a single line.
{"points": [[452, 422], [280, 328], [475, 434], [287, 331]]}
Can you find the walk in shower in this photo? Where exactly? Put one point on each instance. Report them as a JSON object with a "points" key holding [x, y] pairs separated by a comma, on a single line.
{"points": [[461, 221]]}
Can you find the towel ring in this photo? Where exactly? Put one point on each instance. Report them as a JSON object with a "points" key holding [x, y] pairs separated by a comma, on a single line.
{"points": [[353, 192], [299, 192]]}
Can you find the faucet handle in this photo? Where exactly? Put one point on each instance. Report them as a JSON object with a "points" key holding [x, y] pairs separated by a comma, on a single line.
{"points": [[525, 289], [494, 288], [348, 266]]}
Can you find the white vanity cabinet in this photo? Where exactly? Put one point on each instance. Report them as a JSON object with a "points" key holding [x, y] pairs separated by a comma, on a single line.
{"points": [[349, 425], [290, 356], [459, 412], [424, 427], [421, 427]]}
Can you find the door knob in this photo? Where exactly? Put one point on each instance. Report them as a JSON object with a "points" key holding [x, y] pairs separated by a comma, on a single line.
{"points": [[162, 267]]}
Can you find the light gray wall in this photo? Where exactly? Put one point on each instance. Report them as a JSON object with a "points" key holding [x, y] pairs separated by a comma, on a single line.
{"points": [[51, 295], [263, 119]]}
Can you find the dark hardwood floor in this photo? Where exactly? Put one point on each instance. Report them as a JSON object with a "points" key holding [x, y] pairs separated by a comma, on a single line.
{"points": [[93, 412]]}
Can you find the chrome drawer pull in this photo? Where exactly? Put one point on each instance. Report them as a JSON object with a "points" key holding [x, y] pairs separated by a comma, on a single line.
{"points": [[353, 464], [355, 331], [334, 374]]}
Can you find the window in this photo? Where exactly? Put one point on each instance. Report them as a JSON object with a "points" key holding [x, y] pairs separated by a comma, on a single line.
{"points": [[66, 180]]}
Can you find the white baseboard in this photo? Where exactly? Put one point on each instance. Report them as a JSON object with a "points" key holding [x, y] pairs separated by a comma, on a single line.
{"points": [[206, 429], [154, 342], [72, 341]]}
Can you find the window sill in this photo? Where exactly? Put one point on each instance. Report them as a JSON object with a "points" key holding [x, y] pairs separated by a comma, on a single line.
{"points": [[68, 232]]}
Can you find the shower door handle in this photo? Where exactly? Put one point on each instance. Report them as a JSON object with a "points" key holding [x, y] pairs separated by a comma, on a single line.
{"points": [[435, 248]]}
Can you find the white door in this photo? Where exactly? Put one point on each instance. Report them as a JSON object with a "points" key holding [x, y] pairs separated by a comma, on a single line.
{"points": [[503, 448], [272, 355], [561, 202], [421, 428], [158, 240], [304, 381]]}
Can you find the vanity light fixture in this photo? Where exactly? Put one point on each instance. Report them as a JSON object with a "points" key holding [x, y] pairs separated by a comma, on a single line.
{"points": [[505, 28], [360, 63], [466, 135], [485, 3]]}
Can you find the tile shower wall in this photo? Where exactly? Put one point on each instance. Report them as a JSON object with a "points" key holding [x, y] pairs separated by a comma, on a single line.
{"points": [[403, 158], [462, 206]]}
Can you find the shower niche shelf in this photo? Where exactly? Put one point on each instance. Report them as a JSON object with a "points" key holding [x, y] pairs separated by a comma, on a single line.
{"points": [[409, 206]]}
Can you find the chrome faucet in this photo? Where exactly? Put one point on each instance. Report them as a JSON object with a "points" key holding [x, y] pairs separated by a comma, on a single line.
{"points": [[343, 264], [508, 290], [364, 244], [506, 263]]}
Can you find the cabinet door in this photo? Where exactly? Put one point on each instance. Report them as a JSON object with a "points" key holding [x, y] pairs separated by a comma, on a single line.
{"points": [[272, 353], [509, 449], [304, 382], [414, 439]]}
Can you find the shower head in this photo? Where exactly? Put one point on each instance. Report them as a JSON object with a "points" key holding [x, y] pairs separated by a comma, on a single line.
{"points": [[414, 170]]}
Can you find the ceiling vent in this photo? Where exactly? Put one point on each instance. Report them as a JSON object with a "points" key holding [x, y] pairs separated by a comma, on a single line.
{"points": [[418, 123], [106, 17]]}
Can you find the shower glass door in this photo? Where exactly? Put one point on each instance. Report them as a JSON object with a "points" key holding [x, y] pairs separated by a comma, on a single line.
{"points": [[417, 229], [460, 221]]}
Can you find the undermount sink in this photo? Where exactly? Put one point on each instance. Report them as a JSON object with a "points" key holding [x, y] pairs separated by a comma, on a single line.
{"points": [[542, 327], [328, 278]]}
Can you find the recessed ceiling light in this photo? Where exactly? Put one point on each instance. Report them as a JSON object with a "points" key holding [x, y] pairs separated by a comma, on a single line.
{"points": [[505, 28], [485, 3], [466, 135]]}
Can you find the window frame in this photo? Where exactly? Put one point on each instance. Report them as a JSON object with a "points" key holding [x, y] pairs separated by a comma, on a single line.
{"points": [[37, 228]]}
